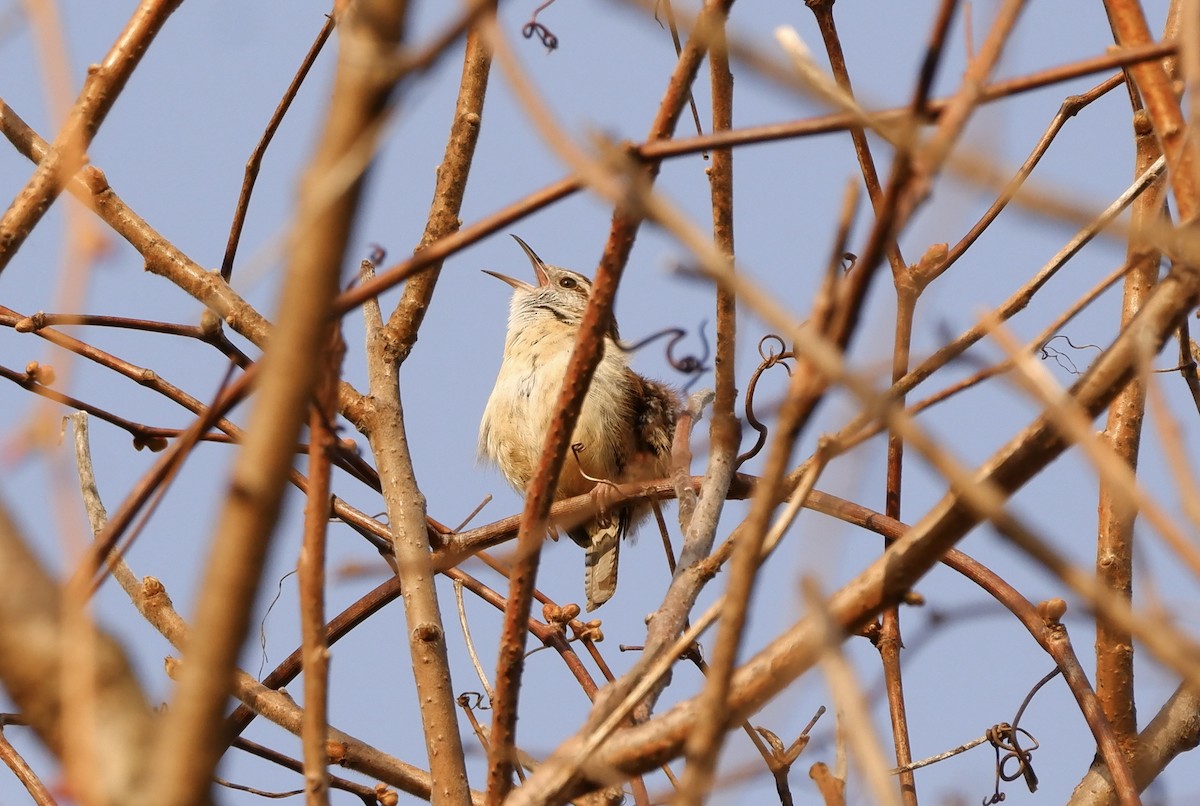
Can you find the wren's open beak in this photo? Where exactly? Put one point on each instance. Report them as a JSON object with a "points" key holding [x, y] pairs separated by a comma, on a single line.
{"points": [[539, 269], [520, 285]]}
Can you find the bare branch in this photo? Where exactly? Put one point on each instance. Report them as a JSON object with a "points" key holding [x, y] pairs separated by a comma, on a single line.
{"points": [[69, 152], [32, 644]]}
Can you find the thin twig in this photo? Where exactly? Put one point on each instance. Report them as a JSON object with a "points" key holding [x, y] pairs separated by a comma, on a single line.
{"points": [[24, 773], [466, 628], [255, 161], [310, 570], [851, 704]]}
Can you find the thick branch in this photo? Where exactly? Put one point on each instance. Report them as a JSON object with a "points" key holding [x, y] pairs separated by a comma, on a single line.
{"points": [[193, 736], [584, 358], [1174, 730], [32, 644], [1114, 539], [448, 193], [426, 634], [890, 577]]}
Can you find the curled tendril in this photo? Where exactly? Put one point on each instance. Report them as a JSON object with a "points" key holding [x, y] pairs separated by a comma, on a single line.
{"points": [[535, 28], [770, 357], [1004, 737], [1022, 756], [689, 364], [1061, 358], [578, 448], [765, 345], [849, 260], [473, 700], [543, 33]]}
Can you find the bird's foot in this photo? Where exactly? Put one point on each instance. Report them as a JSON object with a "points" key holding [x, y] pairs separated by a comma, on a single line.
{"points": [[604, 496]]}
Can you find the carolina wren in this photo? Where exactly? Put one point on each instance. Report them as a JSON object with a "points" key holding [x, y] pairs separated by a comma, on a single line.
{"points": [[624, 430]]}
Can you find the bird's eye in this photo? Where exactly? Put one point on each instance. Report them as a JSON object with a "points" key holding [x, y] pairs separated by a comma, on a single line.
{"points": [[568, 282]]}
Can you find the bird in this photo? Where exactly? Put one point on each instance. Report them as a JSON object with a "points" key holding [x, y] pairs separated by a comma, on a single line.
{"points": [[625, 427]]}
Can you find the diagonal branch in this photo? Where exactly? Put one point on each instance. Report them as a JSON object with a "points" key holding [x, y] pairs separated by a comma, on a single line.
{"points": [[426, 634], [584, 358], [69, 152], [1123, 429], [448, 192], [193, 730], [32, 647]]}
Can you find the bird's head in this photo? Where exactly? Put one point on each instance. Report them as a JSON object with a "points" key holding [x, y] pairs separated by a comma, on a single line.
{"points": [[560, 294]]}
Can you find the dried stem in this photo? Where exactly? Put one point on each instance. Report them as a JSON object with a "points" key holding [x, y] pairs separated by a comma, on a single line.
{"points": [[192, 741], [29, 779], [823, 11], [255, 161], [1069, 109], [32, 649], [584, 358], [724, 433], [851, 704], [452, 175], [311, 573], [426, 636], [908, 292], [1114, 539], [367, 795], [705, 742], [69, 152], [1162, 104], [1175, 729], [344, 749]]}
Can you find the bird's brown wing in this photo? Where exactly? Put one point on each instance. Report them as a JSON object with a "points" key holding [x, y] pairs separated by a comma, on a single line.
{"points": [[655, 409]]}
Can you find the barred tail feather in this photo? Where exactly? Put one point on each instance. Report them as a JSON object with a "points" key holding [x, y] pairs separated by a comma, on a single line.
{"points": [[600, 564]]}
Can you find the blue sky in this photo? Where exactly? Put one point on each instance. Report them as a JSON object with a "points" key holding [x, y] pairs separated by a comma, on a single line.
{"points": [[174, 147]]}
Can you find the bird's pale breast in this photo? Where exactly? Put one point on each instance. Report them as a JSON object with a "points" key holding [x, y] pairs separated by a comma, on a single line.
{"points": [[521, 407]]}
